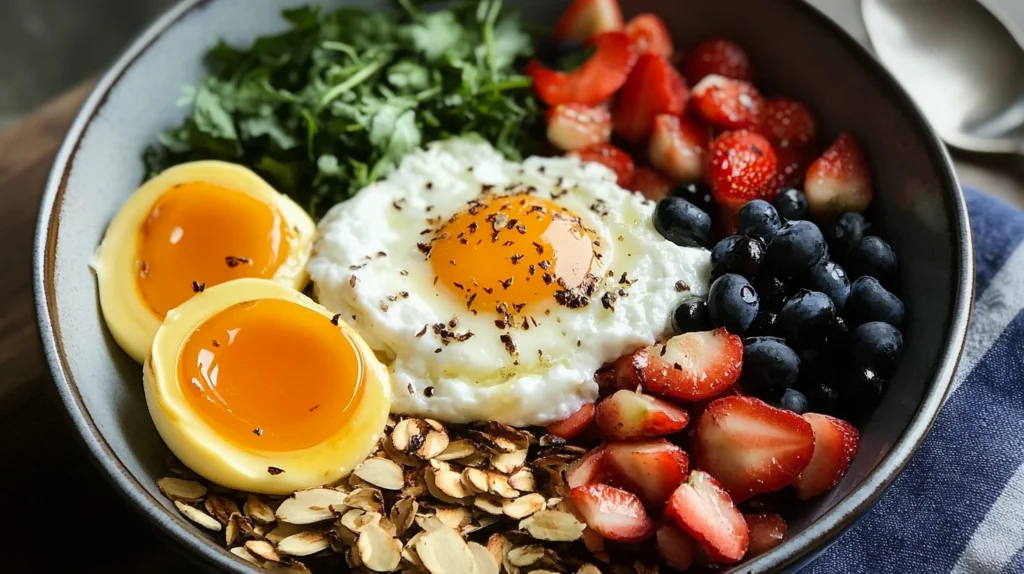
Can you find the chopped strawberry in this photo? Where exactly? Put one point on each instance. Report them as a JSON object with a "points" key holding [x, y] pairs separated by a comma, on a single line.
{"points": [[674, 546], [706, 512], [611, 157], [649, 35], [650, 469], [629, 415], [575, 126], [839, 180], [741, 169], [651, 183], [752, 447], [679, 147], [613, 513], [791, 163], [654, 87], [587, 470], [575, 423], [766, 532], [586, 18], [718, 57], [592, 83], [689, 367], [728, 104], [835, 445], [787, 123]]}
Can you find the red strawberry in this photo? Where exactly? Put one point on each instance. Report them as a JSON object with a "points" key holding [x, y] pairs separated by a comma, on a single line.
{"points": [[787, 123], [575, 126], [592, 83], [704, 511], [654, 87], [741, 169], [688, 367], [752, 447], [586, 18], [611, 157], [649, 35], [650, 469], [629, 415], [791, 163], [674, 546], [575, 423], [587, 470], [839, 180], [679, 147], [727, 103], [835, 445], [766, 532], [718, 57], [612, 513], [651, 183]]}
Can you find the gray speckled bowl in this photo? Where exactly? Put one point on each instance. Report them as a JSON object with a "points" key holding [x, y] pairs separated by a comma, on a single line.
{"points": [[796, 51]]}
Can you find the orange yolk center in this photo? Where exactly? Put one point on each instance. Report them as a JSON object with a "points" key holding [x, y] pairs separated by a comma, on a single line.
{"points": [[508, 252], [205, 234], [271, 375]]}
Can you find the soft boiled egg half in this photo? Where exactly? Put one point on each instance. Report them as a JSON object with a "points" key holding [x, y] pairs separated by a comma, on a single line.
{"points": [[194, 226], [256, 387]]}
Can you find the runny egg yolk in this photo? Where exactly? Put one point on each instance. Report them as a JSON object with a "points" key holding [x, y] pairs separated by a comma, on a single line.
{"points": [[200, 234], [504, 253], [271, 375]]}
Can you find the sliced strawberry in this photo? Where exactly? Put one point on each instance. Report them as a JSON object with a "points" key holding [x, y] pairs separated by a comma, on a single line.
{"points": [[766, 532], [629, 415], [727, 103], [575, 126], [650, 469], [718, 57], [613, 513], [592, 83], [651, 183], [791, 163], [611, 157], [587, 470], [679, 147], [752, 447], [575, 423], [674, 546], [654, 87], [706, 512], [690, 367], [649, 35], [741, 169], [787, 123], [586, 18], [835, 445], [839, 180]]}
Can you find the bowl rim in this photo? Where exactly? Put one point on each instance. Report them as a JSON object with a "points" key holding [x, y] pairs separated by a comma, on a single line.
{"points": [[794, 551]]}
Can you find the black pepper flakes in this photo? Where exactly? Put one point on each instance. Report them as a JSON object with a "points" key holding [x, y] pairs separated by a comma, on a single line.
{"points": [[233, 261], [274, 471], [518, 306], [424, 248], [352, 281], [506, 283], [383, 254], [383, 306], [257, 431], [677, 366], [664, 349], [335, 319], [215, 343], [488, 290], [682, 286], [198, 287], [430, 185], [403, 273], [510, 345], [469, 302], [608, 301], [540, 248], [517, 258], [545, 265], [428, 392], [314, 407], [437, 350], [453, 323], [533, 269], [422, 332], [458, 286], [356, 267], [403, 294]]}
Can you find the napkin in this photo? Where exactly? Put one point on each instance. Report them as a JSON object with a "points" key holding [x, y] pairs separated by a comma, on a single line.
{"points": [[958, 506]]}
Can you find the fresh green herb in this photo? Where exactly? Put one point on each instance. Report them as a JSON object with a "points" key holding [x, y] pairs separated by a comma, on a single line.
{"points": [[333, 103]]}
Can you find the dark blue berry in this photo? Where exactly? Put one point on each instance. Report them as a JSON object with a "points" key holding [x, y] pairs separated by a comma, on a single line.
{"points": [[807, 318], [742, 256], [732, 303], [876, 345], [839, 332], [797, 247], [869, 301], [872, 256], [759, 219], [697, 193], [773, 292], [769, 367], [860, 388], [829, 278], [691, 316], [822, 397], [682, 222], [764, 324], [791, 204], [794, 400], [845, 232]]}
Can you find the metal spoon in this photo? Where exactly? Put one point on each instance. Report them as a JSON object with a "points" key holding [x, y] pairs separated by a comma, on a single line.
{"points": [[961, 66]]}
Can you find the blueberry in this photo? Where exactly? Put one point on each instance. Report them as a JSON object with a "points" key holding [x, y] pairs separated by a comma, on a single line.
{"points": [[876, 345], [829, 278], [860, 388], [872, 256], [742, 255], [732, 303], [794, 400], [840, 330], [773, 292], [697, 193], [763, 325], [682, 222], [807, 318], [846, 231], [691, 316], [869, 301], [822, 397], [791, 204], [797, 247], [769, 367], [759, 219]]}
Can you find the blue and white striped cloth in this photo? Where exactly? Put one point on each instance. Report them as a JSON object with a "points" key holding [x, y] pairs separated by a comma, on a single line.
{"points": [[958, 506]]}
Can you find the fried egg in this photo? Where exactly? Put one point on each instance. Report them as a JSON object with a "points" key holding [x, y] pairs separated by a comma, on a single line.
{"points": [[494, 290]]}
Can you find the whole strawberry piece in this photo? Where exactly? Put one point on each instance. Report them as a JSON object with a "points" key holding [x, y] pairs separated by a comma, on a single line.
{"points": [[741, 169], [629, 415], [835, 445], [728, 104], [718, 57], [787, 123], [653, 87], [650, 469], [839, 181], [706, 512], [612, 512]]}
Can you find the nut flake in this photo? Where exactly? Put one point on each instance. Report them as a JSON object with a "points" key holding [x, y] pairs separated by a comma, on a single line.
{"points": [[483, 562], [263, 549], [382, 473], [443, 551], [311, 506], [221, 508], [244, 554], [198, 516], [378, 550], [523, 506], [180, 489], [303, 543], [553, 525], [258, 510]]}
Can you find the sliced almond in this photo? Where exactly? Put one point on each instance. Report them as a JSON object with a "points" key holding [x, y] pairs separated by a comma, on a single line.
{"points": [[498, 484], [443, 551], [304, 543], [481, 522], [180, 489], [353, 520], [454, 517], [311, 506], [457, 449], [355, 482], [498, 547], [381, 473], [238, 528], [494, 444], [403, 513], [415, 484], [474, 479], [292, 568], [400, 457], [409, 551], [446, 485], [434, 444], [366, 520], [523, 480], [509, 462], [409, 434], [588, 568], [378, 551], [554, 526], [343, 533], [352, 558], [263, 549], [478, 459], [258, 510], [483, 562], [523, 506], [368, 499], [429, 522], [284, 530], [244, 554], [489, 503], [221, 507], [526, 555], [198, 516]]}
